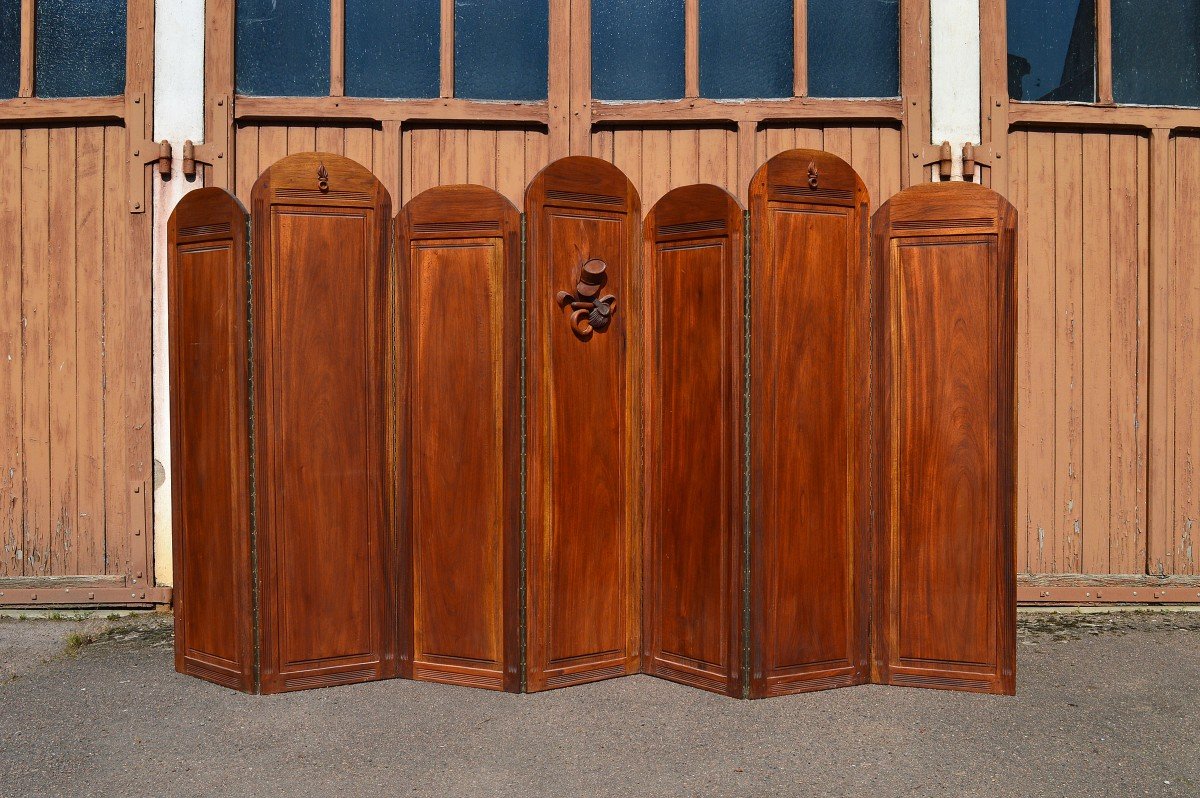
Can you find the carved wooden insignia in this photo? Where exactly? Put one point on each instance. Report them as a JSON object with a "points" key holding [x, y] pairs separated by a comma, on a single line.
{"points": [[322, 177], [588, 312], [812, 174]]}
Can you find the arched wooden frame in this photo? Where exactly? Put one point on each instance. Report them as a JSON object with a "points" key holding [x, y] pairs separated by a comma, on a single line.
{"points": [[458, 343], [694, 373], [322, 389], [809, 430], [207, 290], [583, 517], [945, 432]]}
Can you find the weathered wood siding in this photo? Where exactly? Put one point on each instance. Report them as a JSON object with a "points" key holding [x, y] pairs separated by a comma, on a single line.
{"points": [[74, 358]]}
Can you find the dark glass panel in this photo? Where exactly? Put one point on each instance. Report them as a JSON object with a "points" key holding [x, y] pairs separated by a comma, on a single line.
{"points": [[393, 48], [637, 49], [500, 49], [80, 48], [10, 48], [746, 49], [283, 48], [1156, 52], [1052, 50], [853, 48]]}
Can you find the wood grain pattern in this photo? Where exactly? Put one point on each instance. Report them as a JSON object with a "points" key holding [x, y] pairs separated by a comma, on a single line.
{"points": [[583, 484], [208, 289], [459, 340], [692, 601], [945, 578], [326, 560], [809, 361]]}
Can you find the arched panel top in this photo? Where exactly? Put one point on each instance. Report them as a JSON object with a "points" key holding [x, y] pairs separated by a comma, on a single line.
{"points": [[810, 176], [457, 211], [322, 179], [699, 211], [950, 208], [584, 182], [207, 214]]}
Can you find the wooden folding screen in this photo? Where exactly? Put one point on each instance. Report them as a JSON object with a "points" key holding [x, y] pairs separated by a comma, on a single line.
{"points": [[322, 392], [809, 430], [584, 555], [692, 602], [944, 549], [210, 438], [459, 343]]}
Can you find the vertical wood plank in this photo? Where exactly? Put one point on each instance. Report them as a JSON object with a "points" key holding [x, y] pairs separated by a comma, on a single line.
{"points": [[779, 139], [358, 144], [809, 138], [627, 156], [1036, 437], [1141, 558], [246, 167], [301, 138], [25, 88], [272, 145], [1125, 265], [337, 47], [12, 505], [89, 320], [446, 54], [891, 159], [510, 165], [864, 152], [713, 159], [1096, 342], [656, 166], [117, 544], [1161, 521], [800, 48], [1186, 295], [602, 144], [331, 139], [453, 151], [1068, 298], [481, 157], [35, 250], [838, 141], [424, 159], [685, 157], [1104, 76], [1019, 197], [691, 49], [537, 155]]}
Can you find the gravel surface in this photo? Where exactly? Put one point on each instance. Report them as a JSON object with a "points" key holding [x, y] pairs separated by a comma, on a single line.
{"points": [[1107, 706]]}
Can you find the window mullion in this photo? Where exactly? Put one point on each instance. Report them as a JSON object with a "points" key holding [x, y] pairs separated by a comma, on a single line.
{"points": [[1104, 76], [337, 48], [447, 51], [27, 44], [691, 56], [800, 53]]}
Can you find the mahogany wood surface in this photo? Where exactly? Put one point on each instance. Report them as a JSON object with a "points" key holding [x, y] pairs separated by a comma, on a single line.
{"points": [[459, 343], [693, 257], [945, 558], [210, 438], [583, 546], [809, 438], [322, 392]]}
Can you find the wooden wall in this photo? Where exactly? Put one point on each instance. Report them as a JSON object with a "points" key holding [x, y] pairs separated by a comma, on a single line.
{"points": [[74, 358]]}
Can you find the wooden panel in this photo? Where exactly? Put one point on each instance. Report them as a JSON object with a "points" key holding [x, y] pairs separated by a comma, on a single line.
{"points": [[1082, 343], [210, 438], [74, 363], [946, 582], [808, 431], [583, 552], [460, 289], [693, 478], [321, 392]]}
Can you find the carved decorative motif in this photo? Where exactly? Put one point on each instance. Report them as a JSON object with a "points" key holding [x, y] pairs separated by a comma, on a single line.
{"points": [[812, 174], [589, 311], [322, 177]]}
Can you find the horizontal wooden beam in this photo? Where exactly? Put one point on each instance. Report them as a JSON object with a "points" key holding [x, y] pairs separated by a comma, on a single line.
{"points": [[1107, 589], [702, 110], [85, 596], [33, 109], [352, 108], [55, 582], [1070, 115]]}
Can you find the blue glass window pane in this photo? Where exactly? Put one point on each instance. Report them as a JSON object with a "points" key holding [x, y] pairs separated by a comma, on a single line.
{"points": [[10, 48], [500, 49], [1156, 52], [746, 49], [80, 49], [637, 49], [1052, 50], [853, 48], [392, 48], [282, 48]]}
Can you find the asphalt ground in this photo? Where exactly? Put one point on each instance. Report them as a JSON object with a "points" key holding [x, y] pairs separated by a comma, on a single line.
{"points": [[1107, 705]]}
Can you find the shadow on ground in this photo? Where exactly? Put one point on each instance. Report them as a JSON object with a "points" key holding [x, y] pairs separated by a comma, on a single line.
{"points": [[1107, 705]]}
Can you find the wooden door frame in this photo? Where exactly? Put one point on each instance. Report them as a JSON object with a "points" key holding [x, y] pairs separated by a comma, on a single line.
{"points": [[134, 110], [569, 114], [1000, 116]]}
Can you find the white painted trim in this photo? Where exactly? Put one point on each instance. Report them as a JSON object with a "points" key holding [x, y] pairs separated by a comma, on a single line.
{"points": [[178, 116], [954, 59]]}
